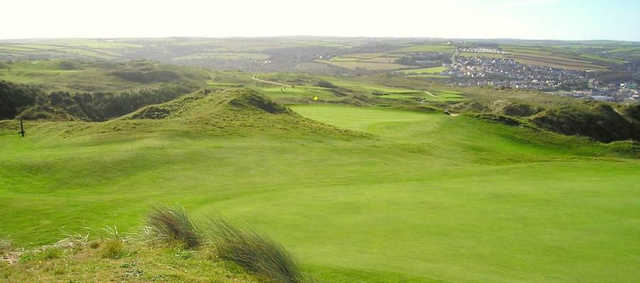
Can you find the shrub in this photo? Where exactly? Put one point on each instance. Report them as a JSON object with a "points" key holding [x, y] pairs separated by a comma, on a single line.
{"points": [[253, 252], [173, 225], [113, 249]]}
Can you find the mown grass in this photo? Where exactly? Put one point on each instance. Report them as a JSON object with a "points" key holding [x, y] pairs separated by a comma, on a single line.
{"points": [[422, 197]]}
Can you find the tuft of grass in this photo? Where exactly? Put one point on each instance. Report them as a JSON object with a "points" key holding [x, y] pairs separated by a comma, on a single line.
{"points": [[113, 249], [173, 226], [253, 252]]}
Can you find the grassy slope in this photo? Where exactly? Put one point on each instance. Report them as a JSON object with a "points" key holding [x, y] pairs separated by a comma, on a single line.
{"points": [[427, 197]]}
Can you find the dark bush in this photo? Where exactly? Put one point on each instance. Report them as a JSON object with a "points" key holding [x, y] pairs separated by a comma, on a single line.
{"points": [[15, 98], [600, 122], [326, 84]]}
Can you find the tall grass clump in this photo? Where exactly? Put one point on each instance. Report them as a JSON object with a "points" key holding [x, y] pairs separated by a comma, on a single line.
{"points": [[253, 252], [113, 248], [173, 226]]}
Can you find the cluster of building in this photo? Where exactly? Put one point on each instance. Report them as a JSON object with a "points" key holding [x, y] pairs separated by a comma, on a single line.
{"points": [[504, 72], [613, 92], [481, 50], [508, 73]]}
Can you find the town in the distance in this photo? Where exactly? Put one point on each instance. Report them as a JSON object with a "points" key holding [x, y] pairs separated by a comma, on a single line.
{"points": [[475, 68]]}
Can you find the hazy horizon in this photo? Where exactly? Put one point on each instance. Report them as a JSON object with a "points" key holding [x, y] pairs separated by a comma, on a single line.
{"points": [[465, 19]]}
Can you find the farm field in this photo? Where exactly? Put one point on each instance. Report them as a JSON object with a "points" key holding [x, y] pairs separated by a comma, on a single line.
{"points": [[431, 70], [555, 57], [414, 198], [366, 61]]}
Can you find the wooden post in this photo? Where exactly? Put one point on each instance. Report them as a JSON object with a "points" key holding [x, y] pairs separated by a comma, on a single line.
{"points": [[21, 129]]}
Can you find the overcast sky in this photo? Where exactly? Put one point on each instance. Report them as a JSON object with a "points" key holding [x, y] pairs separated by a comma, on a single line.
{"points": [[526, 19]]}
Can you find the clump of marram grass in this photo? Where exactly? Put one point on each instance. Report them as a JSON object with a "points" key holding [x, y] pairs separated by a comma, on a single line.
{"points": [[253, 252], [173, 226], [113, 247]]}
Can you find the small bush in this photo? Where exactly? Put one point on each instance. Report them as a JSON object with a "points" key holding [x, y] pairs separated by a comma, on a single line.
{"points": [[253, 252], [113, 249], [173, 225]]}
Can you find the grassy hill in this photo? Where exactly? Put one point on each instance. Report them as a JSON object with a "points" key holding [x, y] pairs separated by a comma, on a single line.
{"points": [[357, 194], [91, 91]]}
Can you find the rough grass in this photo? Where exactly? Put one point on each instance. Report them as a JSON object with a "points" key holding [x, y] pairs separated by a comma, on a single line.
{"points": [[112, 248], [142, 264], [252, 251], [173, 226]]}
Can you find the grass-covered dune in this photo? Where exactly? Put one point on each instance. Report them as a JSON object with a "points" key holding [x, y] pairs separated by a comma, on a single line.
{"points": [[355, 194]]}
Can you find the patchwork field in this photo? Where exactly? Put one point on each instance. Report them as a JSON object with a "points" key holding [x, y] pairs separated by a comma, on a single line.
{"points": [[365, 61], [432, 70], [414, 198]]}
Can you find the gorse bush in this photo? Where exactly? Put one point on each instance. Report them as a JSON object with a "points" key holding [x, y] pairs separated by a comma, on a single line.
{"points": [[173, 226], [253, 252]]}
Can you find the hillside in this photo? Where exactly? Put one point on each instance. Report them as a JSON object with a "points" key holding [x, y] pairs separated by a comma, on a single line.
{"points": [[90, 91]]}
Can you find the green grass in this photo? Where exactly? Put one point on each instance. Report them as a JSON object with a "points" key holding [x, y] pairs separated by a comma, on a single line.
{"points": [[424, 197], [432, 70], [427, 76], [364, 65]]}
